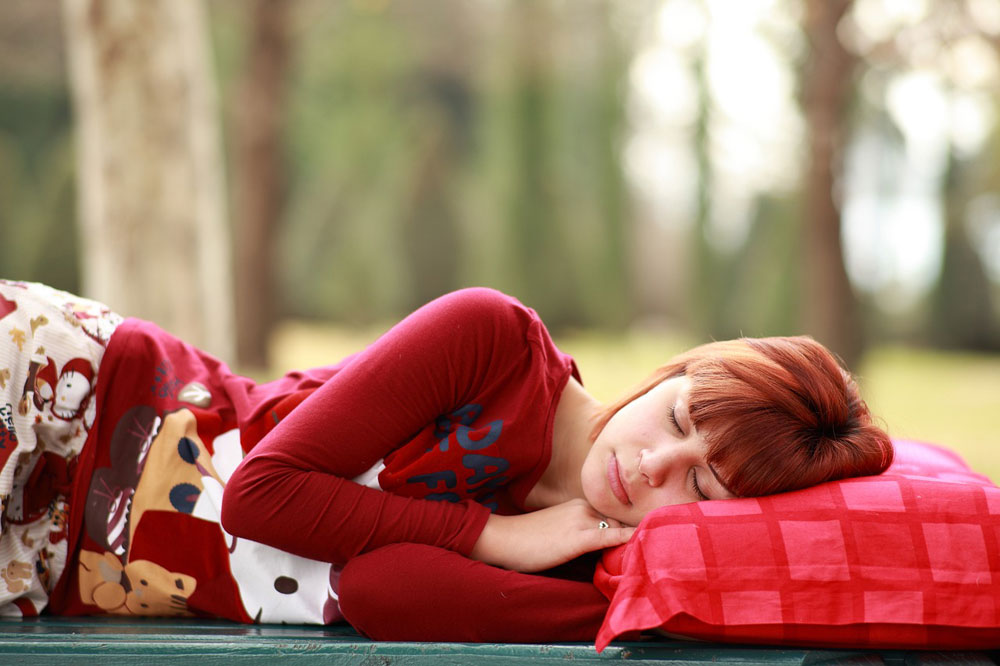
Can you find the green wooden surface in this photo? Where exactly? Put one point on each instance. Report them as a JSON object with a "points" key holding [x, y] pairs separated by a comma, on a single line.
{"points": [[117, 641]]}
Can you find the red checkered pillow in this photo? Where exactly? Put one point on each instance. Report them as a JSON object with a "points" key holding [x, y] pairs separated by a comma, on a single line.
{"points": [[908, 559]]}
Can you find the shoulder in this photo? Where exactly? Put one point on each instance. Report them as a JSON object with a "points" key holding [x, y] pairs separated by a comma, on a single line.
{"points": [[498, 324], [482, 306], [480, 298]]}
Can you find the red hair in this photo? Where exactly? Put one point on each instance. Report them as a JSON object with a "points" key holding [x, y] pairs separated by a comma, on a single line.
{"points": [[778, 414]]}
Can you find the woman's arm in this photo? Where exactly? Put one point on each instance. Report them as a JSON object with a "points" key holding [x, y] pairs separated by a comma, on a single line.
{"points": [[293, 490], [416, 592]]}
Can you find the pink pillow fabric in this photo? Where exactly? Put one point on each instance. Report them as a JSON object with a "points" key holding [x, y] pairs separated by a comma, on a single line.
{"points": [[908, 559]]}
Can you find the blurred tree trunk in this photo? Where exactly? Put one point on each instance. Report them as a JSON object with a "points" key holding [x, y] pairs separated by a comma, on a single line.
{"points": [[829, 308], [540, 264], [613, 292], [152, 208], [441, 87], [705, 293], [961, 306], [259, 177]]}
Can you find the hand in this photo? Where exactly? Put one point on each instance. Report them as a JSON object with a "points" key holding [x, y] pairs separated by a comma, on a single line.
{"points": [[548, 537]]}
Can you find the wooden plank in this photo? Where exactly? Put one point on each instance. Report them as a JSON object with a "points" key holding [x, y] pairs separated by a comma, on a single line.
{"points": [[126, 641]]}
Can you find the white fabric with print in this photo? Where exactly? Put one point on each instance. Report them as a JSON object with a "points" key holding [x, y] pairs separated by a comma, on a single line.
{"points": [[51, 345]]}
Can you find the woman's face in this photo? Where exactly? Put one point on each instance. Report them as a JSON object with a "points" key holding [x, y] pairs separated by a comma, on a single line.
{"points": [[649, 455]]}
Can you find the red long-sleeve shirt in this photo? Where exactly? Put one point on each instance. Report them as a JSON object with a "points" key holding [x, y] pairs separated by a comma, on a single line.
{"points": [[457, 400]]}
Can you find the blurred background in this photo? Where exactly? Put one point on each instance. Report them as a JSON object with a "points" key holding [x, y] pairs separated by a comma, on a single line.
{"points": [[279, 180]]}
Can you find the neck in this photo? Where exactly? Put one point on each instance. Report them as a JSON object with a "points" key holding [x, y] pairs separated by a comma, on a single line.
{"points": [[571, 442]]}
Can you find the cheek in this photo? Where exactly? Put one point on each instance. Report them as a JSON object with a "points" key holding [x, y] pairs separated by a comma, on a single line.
{"points": [[590, 479], [631, 516], [653, 499]]}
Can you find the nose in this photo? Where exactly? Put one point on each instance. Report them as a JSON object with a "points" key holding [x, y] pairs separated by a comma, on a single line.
{"points": [[660, 461], [657, 463]]}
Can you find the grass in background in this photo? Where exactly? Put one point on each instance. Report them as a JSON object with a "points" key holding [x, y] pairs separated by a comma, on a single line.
{"points": [[944, 398]]}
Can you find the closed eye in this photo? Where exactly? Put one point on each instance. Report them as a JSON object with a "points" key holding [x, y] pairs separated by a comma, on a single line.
{"points": [[695, 487], [672, 411]]}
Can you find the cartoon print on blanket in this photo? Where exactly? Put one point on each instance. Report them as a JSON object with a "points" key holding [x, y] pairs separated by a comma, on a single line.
{"points": [[67, 391], [137, 588], [161, 475], [16, 575], [52, 347], [111, 488]]}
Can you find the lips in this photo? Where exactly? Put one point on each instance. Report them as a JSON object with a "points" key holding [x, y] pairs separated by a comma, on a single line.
{"points": [[615, 481]]}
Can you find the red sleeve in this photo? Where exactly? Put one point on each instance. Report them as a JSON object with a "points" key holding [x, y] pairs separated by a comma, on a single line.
{"points": [[412, 592], [292, 491]]}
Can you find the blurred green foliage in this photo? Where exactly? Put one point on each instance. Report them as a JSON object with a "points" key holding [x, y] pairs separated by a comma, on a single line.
{"points": [[414, 170], [37, 192], [948, 398], [445, 144]]}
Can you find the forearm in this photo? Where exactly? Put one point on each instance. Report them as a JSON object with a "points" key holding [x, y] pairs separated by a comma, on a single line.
{"points": [[416, 592], [294, 489], [324, 517]]}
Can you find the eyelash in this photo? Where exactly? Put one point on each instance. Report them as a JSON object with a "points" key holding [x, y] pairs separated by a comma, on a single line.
{"points": [[694, 472], [673, 419], [694, 485]]}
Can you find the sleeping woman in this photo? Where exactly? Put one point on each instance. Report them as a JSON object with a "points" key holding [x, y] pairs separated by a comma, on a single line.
{"points": [[452, 481]]}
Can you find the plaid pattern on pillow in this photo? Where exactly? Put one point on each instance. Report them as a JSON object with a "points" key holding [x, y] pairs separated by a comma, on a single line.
{"points": [[908, 559]]}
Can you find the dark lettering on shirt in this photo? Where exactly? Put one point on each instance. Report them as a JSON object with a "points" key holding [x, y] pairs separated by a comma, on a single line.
{"points": [[485, 472]]}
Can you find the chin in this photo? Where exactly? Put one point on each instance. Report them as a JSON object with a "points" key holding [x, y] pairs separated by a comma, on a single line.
{"points": [[612, 508], [629, 520]]}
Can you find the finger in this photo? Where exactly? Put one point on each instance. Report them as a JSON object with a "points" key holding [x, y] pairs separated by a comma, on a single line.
{"points": [[615, 536], [608, 538], [610, 522]]}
